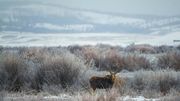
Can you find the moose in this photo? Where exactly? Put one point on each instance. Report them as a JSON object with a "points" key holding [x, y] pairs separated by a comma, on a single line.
{"points": [[102, 82]]}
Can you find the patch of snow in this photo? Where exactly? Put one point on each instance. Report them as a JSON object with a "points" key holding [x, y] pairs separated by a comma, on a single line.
{"points": [[138, 98], [62, 96], [74, 27]]}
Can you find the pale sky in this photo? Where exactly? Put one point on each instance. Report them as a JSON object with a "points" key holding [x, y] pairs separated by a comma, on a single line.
{"points": [[152, 7]]}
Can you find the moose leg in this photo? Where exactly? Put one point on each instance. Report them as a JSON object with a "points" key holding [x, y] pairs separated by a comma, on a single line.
{"points": [[108, 89], [93, 90]]}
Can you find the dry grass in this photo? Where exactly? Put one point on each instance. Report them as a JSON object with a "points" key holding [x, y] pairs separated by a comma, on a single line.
{"points": [[170, 60], [165, 49], [171, 98], [22, 72], [156, 81], [142, 48], [100, 96], [63, 69], [12, 71], [111, 95], [112, 59]]}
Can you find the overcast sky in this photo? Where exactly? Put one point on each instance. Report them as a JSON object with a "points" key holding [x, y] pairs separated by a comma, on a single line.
{"points": [[152, 7]]}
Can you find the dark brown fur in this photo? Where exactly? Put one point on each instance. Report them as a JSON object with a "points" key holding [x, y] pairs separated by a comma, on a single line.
{"points": [[102, 82]]}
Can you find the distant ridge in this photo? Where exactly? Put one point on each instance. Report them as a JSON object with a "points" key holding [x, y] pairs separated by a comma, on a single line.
{"points": [[44, 18]]}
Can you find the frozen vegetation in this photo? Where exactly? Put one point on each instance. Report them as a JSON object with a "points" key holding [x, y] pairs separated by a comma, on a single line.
{"points": [[62, 73]]}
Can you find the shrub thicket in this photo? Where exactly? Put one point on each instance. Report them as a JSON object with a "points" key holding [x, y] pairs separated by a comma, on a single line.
{"points": [[34, 68], [21, 72], [160, 81], [170, 60], [63, 69], [12, 70]]}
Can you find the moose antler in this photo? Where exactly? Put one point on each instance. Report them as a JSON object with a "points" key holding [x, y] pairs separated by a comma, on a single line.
{"points": [[113, 73]]}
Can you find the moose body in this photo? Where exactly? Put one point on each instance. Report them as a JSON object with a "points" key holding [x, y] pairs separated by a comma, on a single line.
{"points": [[102, 82]]}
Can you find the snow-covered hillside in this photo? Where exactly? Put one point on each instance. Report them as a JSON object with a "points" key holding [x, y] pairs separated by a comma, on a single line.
{"points": [[47, 18], [50, 24]]}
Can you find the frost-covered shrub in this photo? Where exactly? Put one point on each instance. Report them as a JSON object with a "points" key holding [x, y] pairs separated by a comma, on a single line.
{"points": [[170, 60]]}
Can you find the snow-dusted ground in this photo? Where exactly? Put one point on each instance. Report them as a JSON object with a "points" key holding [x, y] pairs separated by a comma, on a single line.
{"points": [[34, 39], [138, 98], [64, 97]]}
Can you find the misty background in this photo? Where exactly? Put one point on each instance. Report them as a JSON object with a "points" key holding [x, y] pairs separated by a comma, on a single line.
{"points": [[44, 16], [22, 18]]}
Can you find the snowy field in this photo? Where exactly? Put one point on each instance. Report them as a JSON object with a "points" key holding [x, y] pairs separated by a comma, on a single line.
{"points": [[34, 39]]}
